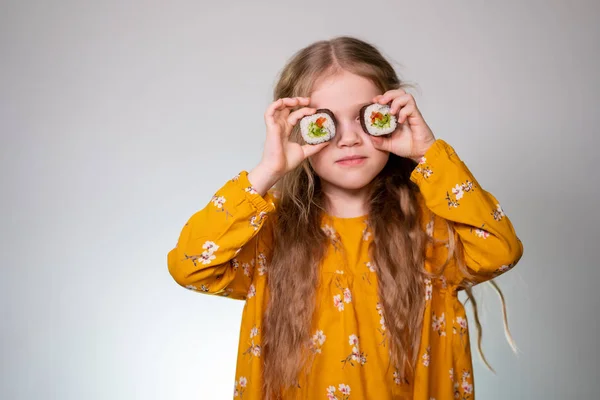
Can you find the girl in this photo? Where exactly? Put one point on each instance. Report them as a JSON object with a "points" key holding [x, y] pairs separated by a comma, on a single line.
{"points": [[349, 254]]}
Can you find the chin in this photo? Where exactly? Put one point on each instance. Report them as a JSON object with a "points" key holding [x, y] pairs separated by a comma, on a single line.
{"points": [[356, 185], [350, 181]]}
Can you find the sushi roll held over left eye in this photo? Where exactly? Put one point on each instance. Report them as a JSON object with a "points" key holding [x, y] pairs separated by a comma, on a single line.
{"points": [[377, 120], [318, 127]]}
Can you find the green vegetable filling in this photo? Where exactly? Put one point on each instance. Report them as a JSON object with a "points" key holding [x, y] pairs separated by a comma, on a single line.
{"points": [[383, 122], [315, 131]]}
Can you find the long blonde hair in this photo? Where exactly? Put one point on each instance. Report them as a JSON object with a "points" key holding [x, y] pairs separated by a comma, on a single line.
{"points": [[399, 240]]}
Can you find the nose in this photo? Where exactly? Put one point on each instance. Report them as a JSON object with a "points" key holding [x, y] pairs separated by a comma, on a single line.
{"points": [[348, 134]]}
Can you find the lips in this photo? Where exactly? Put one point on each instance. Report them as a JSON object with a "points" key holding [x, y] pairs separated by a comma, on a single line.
{"points": [[351, 161], [348, 158]]}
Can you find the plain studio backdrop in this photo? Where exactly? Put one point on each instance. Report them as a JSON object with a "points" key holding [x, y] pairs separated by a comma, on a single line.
{"points": [[120, 119]]}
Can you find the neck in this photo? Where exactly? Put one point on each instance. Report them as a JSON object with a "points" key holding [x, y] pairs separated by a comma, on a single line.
{"points": [[345, 203]]}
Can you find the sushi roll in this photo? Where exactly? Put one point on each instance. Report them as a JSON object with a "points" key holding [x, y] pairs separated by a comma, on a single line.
{"points": [[377, 120], [318, 127]]}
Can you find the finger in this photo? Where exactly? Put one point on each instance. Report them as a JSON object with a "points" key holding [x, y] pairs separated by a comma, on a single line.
{"points": [[289, 104], [390, 95], [270, 111], [405, 100], [382, 142], [295, 116], [282, 103], [312, 149], [405, 113], [283, 110]]}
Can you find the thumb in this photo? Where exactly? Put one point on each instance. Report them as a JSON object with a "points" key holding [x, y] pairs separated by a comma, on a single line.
{"points": [[381, 142], [312, 149]]}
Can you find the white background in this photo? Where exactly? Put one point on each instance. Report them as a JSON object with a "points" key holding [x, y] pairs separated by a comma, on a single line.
{"points": [[113, 134]]}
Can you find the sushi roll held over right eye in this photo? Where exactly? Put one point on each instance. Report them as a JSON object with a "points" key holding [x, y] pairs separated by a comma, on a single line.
{"points": [[377, 120], [318, 127]]}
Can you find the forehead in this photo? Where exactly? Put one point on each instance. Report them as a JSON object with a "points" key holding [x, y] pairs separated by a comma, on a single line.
{"points": [[343, 92]]}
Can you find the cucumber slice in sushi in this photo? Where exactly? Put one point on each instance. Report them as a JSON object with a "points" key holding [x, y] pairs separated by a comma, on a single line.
{"points": [[377, 120], [318, 127]]}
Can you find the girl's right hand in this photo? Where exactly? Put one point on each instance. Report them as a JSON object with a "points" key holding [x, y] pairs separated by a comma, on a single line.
{"points": [[281, 155]]}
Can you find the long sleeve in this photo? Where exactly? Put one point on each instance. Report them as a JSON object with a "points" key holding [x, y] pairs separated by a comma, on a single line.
{"points": [[449, 190], [218, 248]]}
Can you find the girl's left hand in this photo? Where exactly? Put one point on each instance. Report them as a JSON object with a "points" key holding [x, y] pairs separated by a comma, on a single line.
{"points": [[413, 137]]}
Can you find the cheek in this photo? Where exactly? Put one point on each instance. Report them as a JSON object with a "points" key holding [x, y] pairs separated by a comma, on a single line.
{"points": [[381, 159], [319, 161], [378, 158]]}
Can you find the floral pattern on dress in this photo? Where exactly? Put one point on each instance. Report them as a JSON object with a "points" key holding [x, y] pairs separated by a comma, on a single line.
{"points": [[399, 379], [344, 297], [356, 356], [240, 387], [366, 233], [504, 268], [317, 341], [428, 289], [333, 236], [423, 169], [247, 267], [426, 357], [207, 255], [219, 202], [262, 264], [254, 349], [458, 192], [480, 232], [498, 213], [367, 275], [459, 326], [257, 220], [381, 329], [463, 390], [251, 291], [344, 392], [439, 324], [203, 288]]}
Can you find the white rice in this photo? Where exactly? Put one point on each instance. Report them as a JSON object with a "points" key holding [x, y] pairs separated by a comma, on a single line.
{"points": [[374, 130], [329, 126]]}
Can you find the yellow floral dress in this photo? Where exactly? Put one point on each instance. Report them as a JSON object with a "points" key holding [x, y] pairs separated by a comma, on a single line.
{"points": [[224, 249]]}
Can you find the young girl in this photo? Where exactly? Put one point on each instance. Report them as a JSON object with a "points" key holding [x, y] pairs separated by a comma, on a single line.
{"points": [[349, 254]]}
